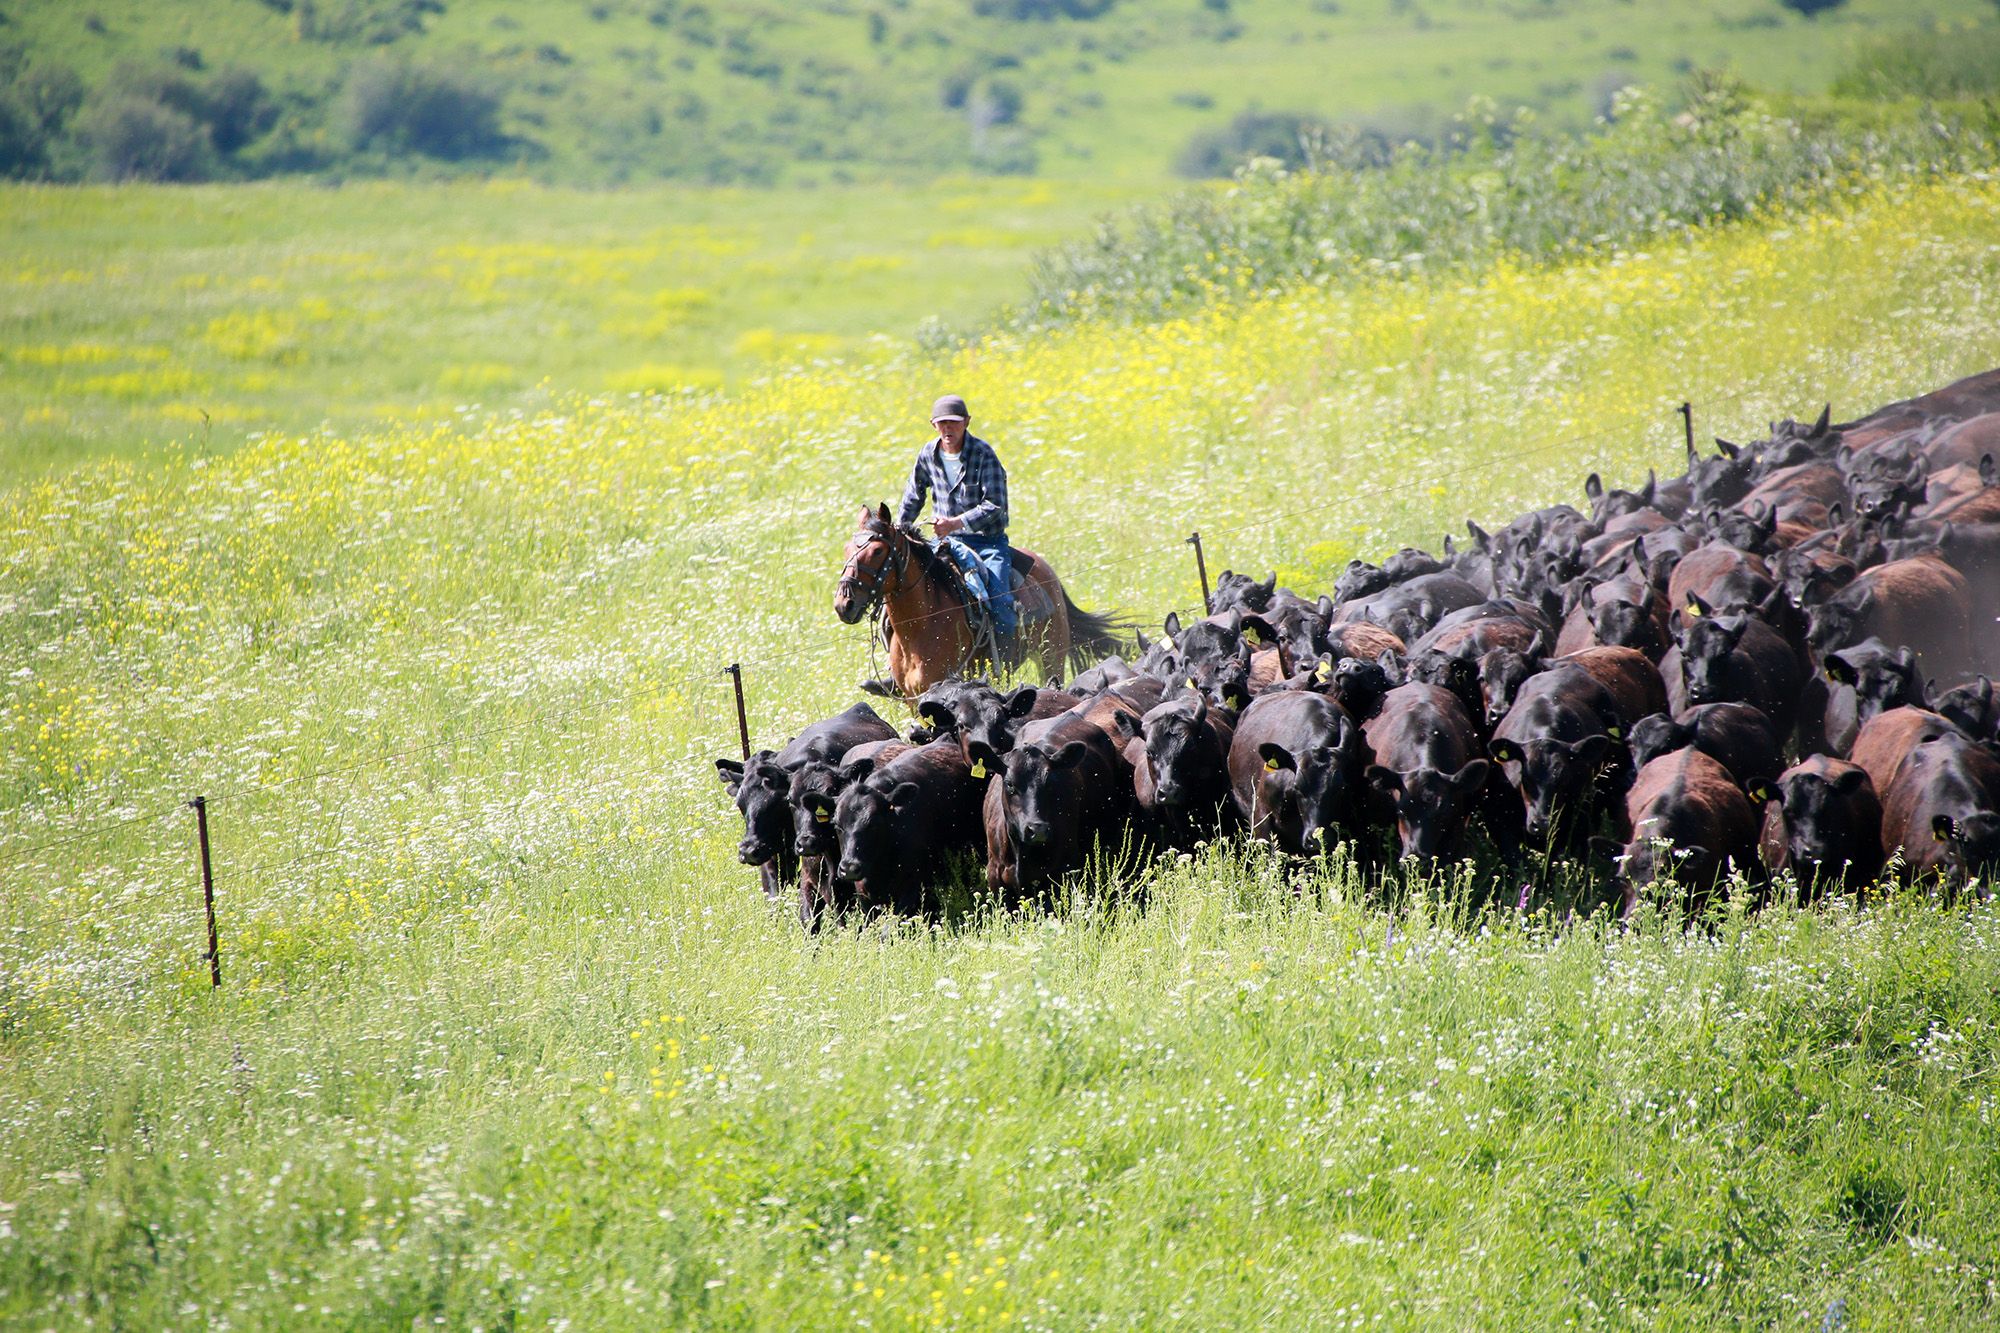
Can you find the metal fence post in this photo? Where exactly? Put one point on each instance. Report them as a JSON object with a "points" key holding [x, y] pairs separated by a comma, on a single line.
{"points": [[1201, 568], [200, 804]]}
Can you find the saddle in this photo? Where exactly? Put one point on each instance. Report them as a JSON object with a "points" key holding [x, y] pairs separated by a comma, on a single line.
{"points": [[1032, 602]]}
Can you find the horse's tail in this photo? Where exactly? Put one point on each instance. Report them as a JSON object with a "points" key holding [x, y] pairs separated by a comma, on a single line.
{"points": [[1093, 636]]}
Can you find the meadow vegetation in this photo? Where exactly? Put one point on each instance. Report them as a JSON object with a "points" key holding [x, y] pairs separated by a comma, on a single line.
{"points": [[604, 92], [507, 1038], [133, 316]]}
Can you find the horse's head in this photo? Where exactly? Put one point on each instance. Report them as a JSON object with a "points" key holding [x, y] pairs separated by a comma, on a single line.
{"points": [[876, 551]]}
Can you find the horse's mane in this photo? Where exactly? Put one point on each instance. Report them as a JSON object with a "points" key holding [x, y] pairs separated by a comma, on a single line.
{"points": [[938, 568]]}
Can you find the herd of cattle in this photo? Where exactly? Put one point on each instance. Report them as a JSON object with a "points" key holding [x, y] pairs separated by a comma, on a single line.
{"points": [[1781, 660]]}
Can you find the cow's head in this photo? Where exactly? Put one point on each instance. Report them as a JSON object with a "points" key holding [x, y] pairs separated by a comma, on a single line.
{"points": [[815, 798], [1181, 749], [1502, 673], [1359, 685], [871, 819], [1970, 842], [1833, 625], [761, 789], [989, 724], [1881, 679], [1320, 785], [1044, 798], [1554, 777], [1431, 806], [1624, 624], [1706, 649], [1818, 816], [1655, 735]]}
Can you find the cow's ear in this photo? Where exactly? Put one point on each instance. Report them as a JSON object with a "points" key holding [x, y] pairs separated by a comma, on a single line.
{"points": [[1760, 791], [1276, 756], [1070, 755], [1125, 724], [1593, 487], [1825, 420], [1258, 631], [1651, 490], [1269, 585], [1472, 777], [905, 794], [731, 773], [1172, 625], [1481, 538], [1609, 848], [1391, 663], [1698, 607], [1849, 781], [1838, 669], [856, 769], [1593, 749], [939, 717], [1324, 607], [1836, 514], [1726, 449], [1989, 471], [1943, 828], [1384, 779], [1022, 701], [820, 806], [1505, 752]]}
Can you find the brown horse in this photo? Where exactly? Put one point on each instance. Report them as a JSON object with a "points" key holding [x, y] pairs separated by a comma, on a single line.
{"points": [[922, 599]]}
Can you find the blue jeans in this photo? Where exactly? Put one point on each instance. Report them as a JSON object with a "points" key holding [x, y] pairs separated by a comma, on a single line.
{"points": [[996, 564]]}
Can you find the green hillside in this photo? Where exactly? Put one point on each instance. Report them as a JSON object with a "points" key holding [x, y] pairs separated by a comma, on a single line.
{"points": [[603, 91]]}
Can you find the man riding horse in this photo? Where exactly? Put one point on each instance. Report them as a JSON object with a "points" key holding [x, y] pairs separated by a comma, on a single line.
{"points": [[964, 477]]}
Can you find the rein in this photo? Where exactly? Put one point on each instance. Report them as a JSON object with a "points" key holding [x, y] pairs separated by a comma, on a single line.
{"points": [[874, 589]]}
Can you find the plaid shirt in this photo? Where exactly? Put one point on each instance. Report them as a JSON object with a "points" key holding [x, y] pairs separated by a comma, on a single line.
{"points": [[980, 498]]}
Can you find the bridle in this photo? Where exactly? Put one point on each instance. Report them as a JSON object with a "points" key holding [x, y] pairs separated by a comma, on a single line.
{"points": [[855, 582]]}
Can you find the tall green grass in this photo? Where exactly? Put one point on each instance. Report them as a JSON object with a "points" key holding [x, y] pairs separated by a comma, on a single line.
{"points": [[1493, 190], [507, 1037]]}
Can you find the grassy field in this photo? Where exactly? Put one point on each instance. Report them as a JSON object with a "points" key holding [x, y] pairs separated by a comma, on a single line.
{"points": [[135, 316], [507, 1038], [616, 90]]}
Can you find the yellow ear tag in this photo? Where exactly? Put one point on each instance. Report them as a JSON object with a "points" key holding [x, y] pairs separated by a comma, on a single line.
{"points": [[821, 816], [1251, 636], [1939, 835], [1191, 684], [1615, 733], [1694, 611], [979, 768], [1270, 765], [1324, 671]]}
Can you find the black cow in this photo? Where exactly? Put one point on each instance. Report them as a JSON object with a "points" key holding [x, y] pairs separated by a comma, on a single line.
{"points": [[761, 787], [1427, 769], [1868, 679], [1556, 749], [1179, 756], [814, 797], [1738, 736], [1296, 765], [1733, 658], [1823, 822], [1053, 802], [901, 826]]}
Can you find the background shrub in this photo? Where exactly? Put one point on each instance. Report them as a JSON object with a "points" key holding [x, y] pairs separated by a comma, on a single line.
{"points": [[419, 108], [133, 137]]}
